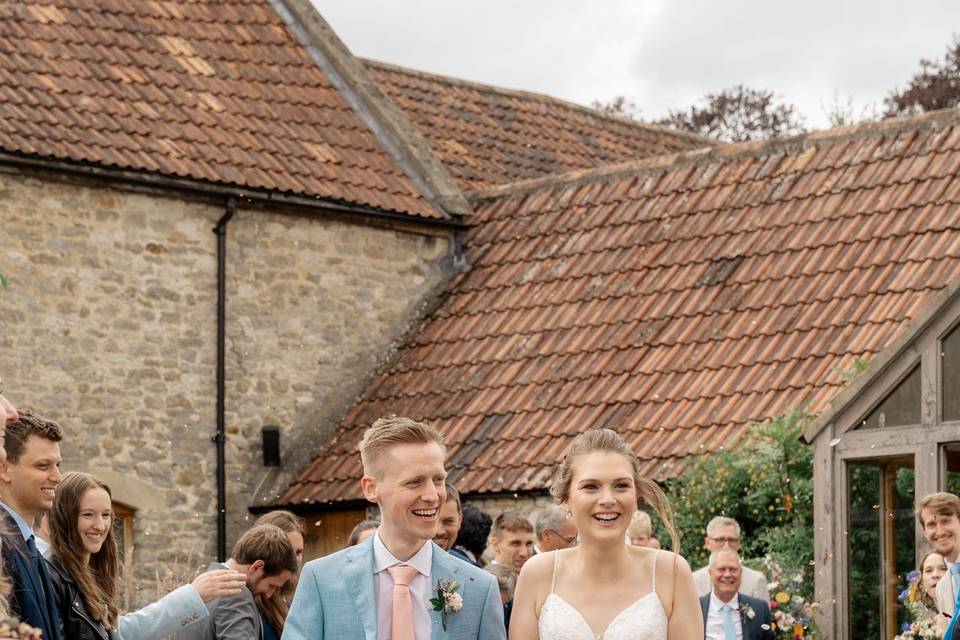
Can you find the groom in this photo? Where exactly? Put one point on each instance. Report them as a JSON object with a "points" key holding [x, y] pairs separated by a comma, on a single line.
{"points": [[381, 588]]}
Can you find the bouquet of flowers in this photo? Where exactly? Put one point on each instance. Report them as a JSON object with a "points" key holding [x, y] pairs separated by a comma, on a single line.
{"points": [[924, 620], [11, 628], [792, 613]]}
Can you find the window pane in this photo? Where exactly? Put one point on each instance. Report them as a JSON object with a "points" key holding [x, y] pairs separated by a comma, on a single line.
{"points": [[904, 538], [950, 370], [952, 455], [900, 408], [864, 586]]}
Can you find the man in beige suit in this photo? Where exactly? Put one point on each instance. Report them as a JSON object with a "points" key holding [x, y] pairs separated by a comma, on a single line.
{"points": [[939, 516], [725, 532]]}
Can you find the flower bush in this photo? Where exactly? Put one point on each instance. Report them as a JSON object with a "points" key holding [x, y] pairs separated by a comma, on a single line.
{"points": [[923, 620], [791, 611]]}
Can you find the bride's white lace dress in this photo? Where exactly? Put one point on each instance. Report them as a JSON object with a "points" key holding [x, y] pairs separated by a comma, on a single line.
{"points": [[645, 619]]}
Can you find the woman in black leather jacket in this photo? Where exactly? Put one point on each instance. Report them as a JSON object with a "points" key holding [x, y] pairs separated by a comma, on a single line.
{"points": [[83, 558]]}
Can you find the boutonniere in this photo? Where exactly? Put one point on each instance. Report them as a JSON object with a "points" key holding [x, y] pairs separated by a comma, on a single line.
{"points": [[447, 599], [747, 610]]}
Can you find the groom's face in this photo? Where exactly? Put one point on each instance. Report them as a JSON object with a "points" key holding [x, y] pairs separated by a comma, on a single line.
{"points": [[409, 487]]}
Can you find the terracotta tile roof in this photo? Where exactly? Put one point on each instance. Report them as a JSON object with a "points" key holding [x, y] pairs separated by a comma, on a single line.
{"points": [[676, 300], [214, 90], [487, 136]]}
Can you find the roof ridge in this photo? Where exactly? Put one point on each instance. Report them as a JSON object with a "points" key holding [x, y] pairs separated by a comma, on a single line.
{"points": [[540, 97], [726, 151], [386, 121]]}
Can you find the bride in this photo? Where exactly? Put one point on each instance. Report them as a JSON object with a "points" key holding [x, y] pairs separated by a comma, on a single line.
{"points": [[605, 589]]}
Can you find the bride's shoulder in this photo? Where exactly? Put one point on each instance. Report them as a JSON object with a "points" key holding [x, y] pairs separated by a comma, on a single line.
{"points": [[668, 563], [539, 567]]}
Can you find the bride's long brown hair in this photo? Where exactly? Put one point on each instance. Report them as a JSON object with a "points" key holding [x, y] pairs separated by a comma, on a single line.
{"points": [[96, 580], [647, 490]]}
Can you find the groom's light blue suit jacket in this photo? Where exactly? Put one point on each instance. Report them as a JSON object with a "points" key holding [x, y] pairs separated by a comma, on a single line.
{"points": [[335, 599]]}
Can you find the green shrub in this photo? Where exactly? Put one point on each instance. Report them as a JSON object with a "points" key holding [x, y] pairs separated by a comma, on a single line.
{"points": [[765, 482]]}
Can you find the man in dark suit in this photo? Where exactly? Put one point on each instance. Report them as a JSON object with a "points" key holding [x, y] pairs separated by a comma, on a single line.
{"points": [[727, 613], [28, 478]]}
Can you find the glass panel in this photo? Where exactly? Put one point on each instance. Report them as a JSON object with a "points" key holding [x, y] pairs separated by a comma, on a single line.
{"points": [[863, 586], [900, 408], [952, 456], [904, 536], [950, 375], [882, 543]]}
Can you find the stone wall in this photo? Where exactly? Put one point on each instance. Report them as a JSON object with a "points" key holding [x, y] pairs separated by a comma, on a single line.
{"points": [[109, 326]]}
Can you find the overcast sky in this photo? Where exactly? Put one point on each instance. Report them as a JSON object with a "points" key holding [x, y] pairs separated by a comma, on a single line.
{"points": [[662, 54]]}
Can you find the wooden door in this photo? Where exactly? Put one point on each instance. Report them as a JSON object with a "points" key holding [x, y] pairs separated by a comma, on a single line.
{"points": [[328, 531]]}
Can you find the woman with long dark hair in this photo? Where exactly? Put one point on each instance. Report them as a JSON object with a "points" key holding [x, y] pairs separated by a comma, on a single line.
{"points": [[84, 570]]}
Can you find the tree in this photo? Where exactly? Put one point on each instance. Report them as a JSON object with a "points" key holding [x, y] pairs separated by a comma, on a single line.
{"points": [[766, 484], [738, 114], [935, 86], [620, 106]]}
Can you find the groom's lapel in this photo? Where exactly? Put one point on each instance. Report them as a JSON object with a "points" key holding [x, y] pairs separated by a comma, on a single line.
{"points": [[358, 576], [443, 566]]}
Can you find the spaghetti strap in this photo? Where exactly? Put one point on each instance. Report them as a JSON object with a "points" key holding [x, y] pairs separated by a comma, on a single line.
{"points": [[653, 572], [556, 565]]}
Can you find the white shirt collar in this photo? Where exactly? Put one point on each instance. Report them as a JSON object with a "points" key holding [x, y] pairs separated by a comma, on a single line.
{"points": [[716, 603], [383, 559]]}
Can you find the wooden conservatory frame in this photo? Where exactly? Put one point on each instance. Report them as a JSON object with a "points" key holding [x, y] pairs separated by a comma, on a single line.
{"points": [[838, 443]]}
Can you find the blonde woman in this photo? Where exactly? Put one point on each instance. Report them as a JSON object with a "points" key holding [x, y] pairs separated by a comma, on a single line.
{"points": [[604, 587]]}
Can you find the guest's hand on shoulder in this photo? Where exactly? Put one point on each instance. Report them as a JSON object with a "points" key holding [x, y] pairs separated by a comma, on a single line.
{"points": [[218, 584]]}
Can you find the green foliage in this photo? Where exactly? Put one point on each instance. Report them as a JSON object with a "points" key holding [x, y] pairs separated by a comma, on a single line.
{"points": [[3, 281], [766, 483]]}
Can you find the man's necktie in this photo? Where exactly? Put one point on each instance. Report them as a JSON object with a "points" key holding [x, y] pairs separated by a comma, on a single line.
{"points": [[401, 627], [729, 631], [37, 563]]}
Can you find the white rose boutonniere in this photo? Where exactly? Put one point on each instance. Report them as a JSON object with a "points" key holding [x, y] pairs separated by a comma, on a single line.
{"points": [[447, 600], [747, 610]]}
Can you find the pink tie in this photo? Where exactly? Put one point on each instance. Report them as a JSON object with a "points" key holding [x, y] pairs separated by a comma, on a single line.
{"points": [[402, 627]]}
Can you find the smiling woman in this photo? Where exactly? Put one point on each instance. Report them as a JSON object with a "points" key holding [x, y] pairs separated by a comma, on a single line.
{"points": [[84, 558], [604, 587]]}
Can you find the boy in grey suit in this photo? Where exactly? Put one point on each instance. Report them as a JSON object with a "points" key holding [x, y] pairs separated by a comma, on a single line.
{"points": [[266, 556], [382, 588]]}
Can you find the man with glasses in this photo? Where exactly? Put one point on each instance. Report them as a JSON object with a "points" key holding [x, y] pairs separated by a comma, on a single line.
{"points": [[554, 530], [723, 532]]}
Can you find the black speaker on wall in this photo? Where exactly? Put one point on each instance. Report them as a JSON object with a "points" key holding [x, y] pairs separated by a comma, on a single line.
{"points": [[271, 446]]}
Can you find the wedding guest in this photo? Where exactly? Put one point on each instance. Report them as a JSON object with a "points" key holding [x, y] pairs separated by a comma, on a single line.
{"points": [[725, 532], [581, 592], [507, 582], [512, 540], [939, 517], [273, 609], [84, 572], [640, 531], [382, 587], [932, 568], [554, 530], [8, 413], [474, 533], [264, 554], [28, 479], [451, 515], [362, 531], [728, 613]]}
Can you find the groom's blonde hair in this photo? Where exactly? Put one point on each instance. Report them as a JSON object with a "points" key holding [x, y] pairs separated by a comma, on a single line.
{"points": [[386, 433], [941, 503]]}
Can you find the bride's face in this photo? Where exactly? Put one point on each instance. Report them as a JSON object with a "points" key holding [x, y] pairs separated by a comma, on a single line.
{"points": [[603, 496]]}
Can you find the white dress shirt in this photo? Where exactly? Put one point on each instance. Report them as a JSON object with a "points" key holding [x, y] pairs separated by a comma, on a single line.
{"points": [[714, 629], [420, 589]]}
